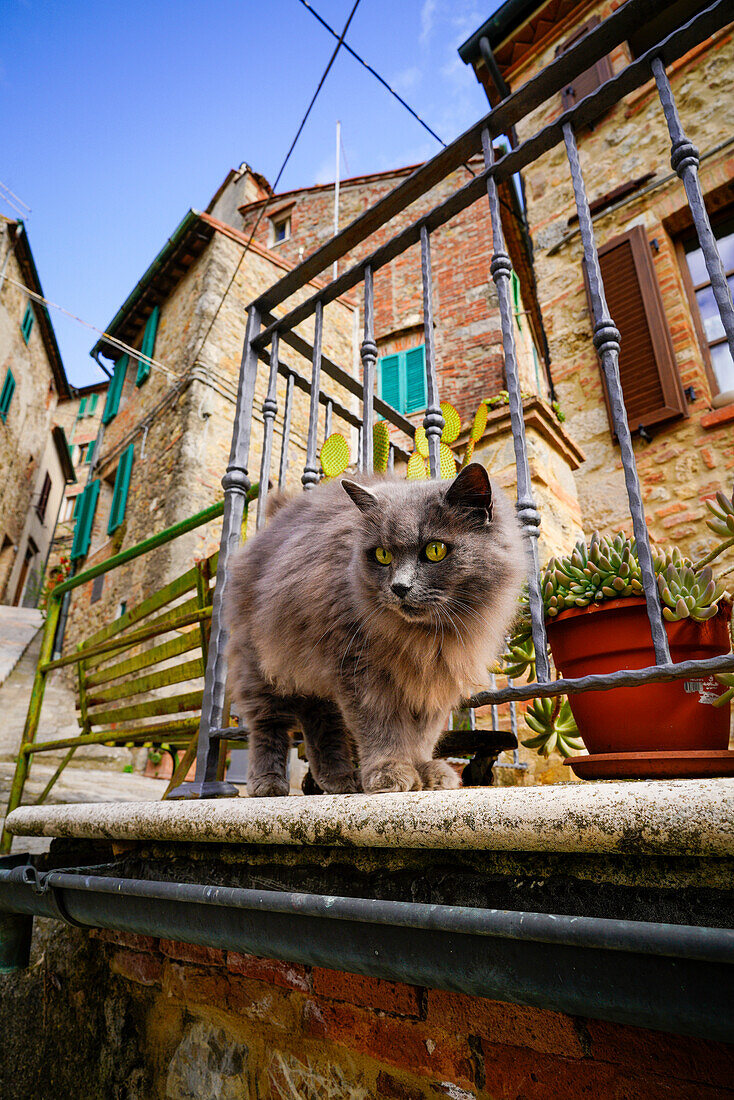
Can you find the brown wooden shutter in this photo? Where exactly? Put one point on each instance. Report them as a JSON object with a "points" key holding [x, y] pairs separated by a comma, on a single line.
{"points": [[650, 381], [43, 499], [592, 78]]}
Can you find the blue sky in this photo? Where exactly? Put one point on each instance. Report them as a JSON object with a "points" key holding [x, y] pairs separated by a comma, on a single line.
{"points": [[120, 116]]}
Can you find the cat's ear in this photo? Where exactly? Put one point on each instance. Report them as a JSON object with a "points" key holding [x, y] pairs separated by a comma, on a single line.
{"points": [[365, 500], [471, 491]]}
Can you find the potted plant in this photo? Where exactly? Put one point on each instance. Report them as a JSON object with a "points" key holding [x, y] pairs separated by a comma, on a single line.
{"points": [[597, 623]]}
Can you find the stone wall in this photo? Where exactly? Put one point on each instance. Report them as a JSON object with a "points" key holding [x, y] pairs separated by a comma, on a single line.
{"points": [[689, 458], [26, 431], [118, 1015]]}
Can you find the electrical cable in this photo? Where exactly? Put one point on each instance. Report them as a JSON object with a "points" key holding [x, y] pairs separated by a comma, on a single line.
{"points": [[381, 79], [280, 173]]}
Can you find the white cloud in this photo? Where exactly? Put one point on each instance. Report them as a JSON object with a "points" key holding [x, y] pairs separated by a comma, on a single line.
{"points": [[406, 80], [428, 18]]}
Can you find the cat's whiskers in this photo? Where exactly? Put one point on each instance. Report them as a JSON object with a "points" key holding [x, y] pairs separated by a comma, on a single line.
{"points": [[361, 625]]}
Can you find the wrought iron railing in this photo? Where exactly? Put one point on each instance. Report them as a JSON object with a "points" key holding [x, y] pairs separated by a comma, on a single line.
{"points": [[279, 331]]}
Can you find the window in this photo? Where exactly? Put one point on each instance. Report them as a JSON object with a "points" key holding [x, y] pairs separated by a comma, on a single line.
{"points": [[148, 346], [6, 395], [43, 498], [122, 485], [26, 325], [586, 82], [82, 410], [402, 379], [81, 453], [84, 520], [710, 329], [281, 229], [114, 392], [650, 381], [92, 407], [90, 450], [69, 508]]}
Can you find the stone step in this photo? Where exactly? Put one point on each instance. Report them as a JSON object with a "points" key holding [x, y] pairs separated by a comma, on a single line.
{"points": [[18, 627]]}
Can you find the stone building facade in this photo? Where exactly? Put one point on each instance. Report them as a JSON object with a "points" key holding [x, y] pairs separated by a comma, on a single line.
{"points": [[655, 280], [34, 465]]}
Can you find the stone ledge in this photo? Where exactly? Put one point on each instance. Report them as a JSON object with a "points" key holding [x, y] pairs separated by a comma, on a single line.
{"points": [[677, 817]]}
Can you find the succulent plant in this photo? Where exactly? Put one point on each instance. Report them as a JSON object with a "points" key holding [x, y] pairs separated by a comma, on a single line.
{"points": [[554, 726], [723, 512], [685, 593], [727, 679]]}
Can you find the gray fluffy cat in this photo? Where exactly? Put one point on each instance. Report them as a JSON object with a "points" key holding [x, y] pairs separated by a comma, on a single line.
{"points": [[364, 621]]}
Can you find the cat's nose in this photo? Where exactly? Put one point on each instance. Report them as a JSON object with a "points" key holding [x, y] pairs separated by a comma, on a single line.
{"points": [[400, 590]]}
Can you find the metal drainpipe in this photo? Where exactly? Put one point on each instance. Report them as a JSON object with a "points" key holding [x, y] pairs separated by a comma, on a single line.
{"points": [[675, 978]]}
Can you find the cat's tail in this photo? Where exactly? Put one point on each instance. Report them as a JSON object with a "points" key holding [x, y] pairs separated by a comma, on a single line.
{"points": [[277, 499]]}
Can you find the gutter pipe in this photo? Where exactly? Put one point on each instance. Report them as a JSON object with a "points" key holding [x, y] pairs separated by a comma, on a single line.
{"points": [[674, 978]]}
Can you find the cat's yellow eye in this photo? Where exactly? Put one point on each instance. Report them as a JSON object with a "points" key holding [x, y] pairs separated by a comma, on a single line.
{"points": [[383, 556], [436, 551]]}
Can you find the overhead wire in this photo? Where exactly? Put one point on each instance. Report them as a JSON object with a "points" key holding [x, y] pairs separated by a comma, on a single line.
{"points": [[280, 173], [18, 200], [379, 78]]}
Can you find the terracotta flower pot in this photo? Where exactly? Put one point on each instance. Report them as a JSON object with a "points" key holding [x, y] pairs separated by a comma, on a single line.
{"points": [[678, 715]]}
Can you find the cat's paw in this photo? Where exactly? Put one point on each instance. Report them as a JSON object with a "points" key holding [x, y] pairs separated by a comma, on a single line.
{"points": [[437, 775], [269, 785], [395, 775], [346, 783]]}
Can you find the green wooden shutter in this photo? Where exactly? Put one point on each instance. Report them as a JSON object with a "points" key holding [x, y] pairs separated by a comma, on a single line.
{"points": [[415, 379], [93, 404], [148, 346], [82, 408], [26, 325], [90, 450], [122, 484], [6, 395], [114, 392], [84, 520], [390, 381]]}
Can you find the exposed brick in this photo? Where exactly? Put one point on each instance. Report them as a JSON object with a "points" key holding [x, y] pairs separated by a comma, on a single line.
{"points": [[516, 1074], [677, 1056], [287, 975], [405, 1043], [124, 939], [514, 1025], [194, 985], [394, 997], [717, 417], [192, 952], [137, 966]]}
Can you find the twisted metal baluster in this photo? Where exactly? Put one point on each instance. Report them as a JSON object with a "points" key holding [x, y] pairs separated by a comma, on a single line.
{"points": [[283, 470], [684, 159], [270, 409], [368, 354], [513, 725], [606, 342], [501, 270], [310, 476], [327, 419], [494, 709], [236, 483], [433, 421]]}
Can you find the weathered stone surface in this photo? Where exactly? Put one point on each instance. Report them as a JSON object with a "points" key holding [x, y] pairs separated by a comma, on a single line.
{"points": [[689, 816], [207, 1062]]}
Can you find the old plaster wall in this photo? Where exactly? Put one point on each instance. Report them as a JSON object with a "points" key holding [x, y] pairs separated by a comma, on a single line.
{"points": [[690, 458]]}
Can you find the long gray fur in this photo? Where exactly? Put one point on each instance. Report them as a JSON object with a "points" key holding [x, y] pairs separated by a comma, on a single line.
{"points": [[319, 638]]}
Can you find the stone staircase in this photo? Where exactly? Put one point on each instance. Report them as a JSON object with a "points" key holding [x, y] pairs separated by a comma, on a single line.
{"points": [[18, 627]]}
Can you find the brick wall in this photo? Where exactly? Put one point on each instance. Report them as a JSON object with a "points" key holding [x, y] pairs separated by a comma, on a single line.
{"points": [[228, 1024]]}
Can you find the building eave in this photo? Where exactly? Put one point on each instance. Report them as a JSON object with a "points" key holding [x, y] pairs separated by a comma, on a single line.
{"points": [[497, 28]]}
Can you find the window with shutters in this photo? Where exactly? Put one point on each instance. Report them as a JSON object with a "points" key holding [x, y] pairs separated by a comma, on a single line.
{"points": [[43, 498], [84, 512], [82, 410], [712, 336], [402, 379], [587, 82], [26, 325], [147, 347], [114, 392], [122, 486], [6, 395], [92, 406], [650, 382]]}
